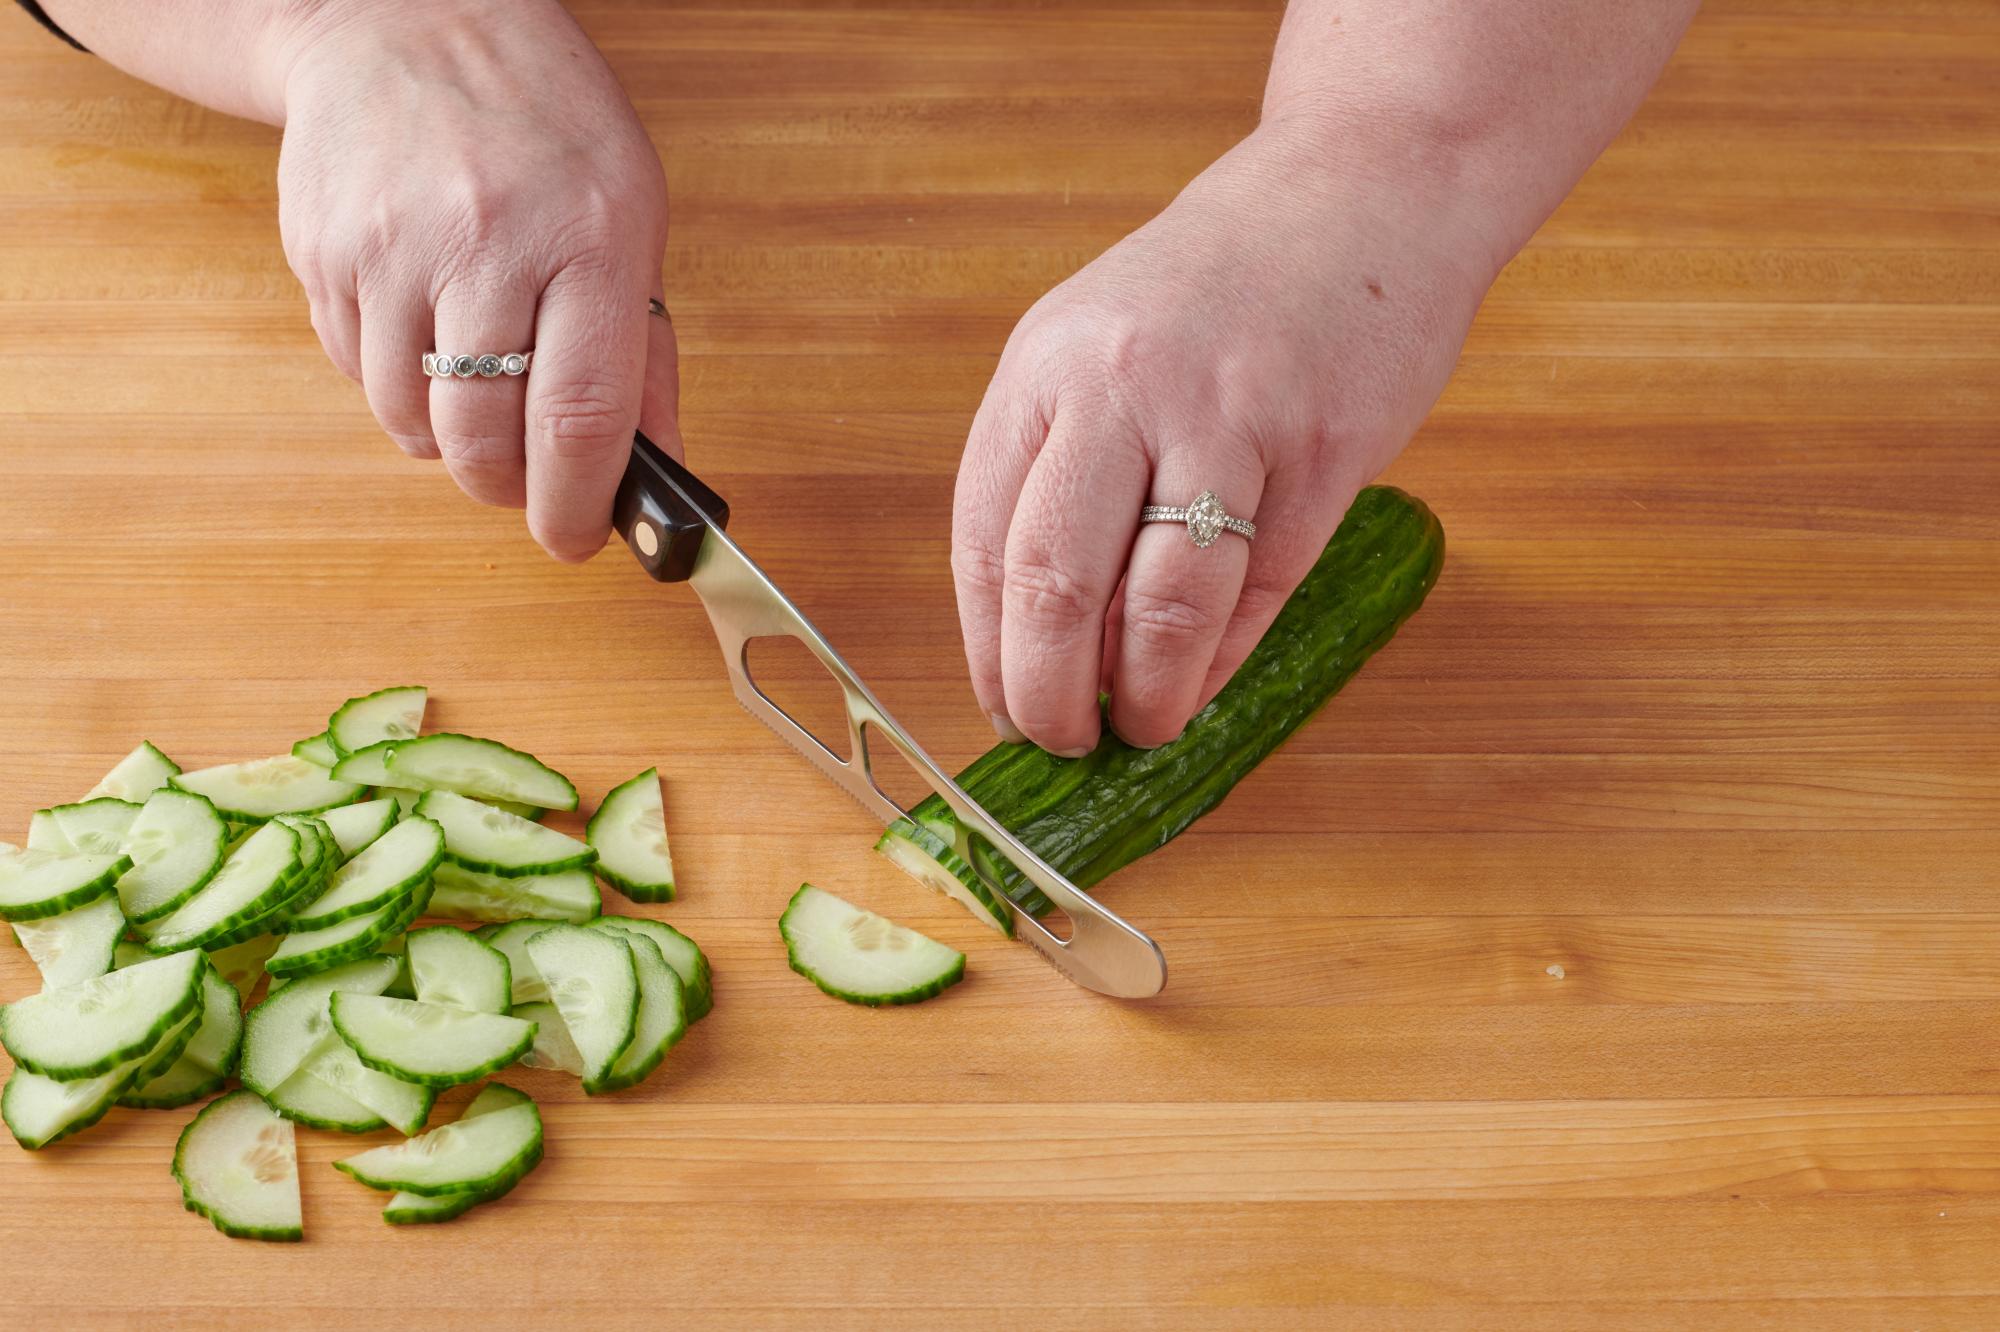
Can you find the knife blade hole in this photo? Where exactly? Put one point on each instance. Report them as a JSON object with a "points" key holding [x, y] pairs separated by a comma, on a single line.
{"points": [[890, 772], [791, 679]]}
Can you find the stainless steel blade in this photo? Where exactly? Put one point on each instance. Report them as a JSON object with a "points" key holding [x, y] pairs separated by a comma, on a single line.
{"points": [[1102, 953]]}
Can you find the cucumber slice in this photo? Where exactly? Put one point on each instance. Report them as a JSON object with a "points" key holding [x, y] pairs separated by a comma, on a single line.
{"points": [[242, 964], [388, 871], [45, 834], [428, 1044], [406, 801], [346, 940], [861, 957], [304, 1099], [255, 791], [206, 1061], [397, 946], [476, 767], [387, 714], [96, 827], [37, 884], [75, 946], [681, 954], [369, 766], [40, 1110], [281, 1033], [662, 1020], [316, 750], [89, 1028], [464, 894], [481, 837], [484, 1153], [553, 1047], [177, 845], [183, 1084], [238, 1165], [356, 827], [510, 940], [257, 877], [137, 775], [594, 984], [410, 1209], [404, 1106], [925, 856], [451, 967], [629, 831]]}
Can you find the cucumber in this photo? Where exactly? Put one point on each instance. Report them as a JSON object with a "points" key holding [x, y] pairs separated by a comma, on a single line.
{"points": [[511, 942], [37, 884], [1093, 815], [208, 1058], [89, 1028], [256, 879], [281, 1033], [242, 964], [387, 714], [629, 831], [451, 967], [484, 1153], [304, 1099], [255, 791], [369, 766], [397, 946], [861, 957], [346, 940], [404, 1106], [137, 775], [428, 1044], [177, 845], [238, 1165], [464, 894], [96, 827], [471, 766], [356, 827], [388, 871], [492, 841], [75, 946], [924, 855], [681, 954], [45, 834], [553, 1047], [594, 984], [40, 1110], [316, 750], [410, 1209], [182, 1084], [661, 1020]]}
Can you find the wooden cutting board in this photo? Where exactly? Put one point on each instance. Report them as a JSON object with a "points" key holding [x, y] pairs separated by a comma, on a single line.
{"points": [[1621, 949]]}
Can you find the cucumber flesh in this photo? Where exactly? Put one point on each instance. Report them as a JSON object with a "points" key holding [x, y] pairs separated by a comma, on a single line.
{"points": [[410, 1209], [45, 834], [356, 827], [404, 1106], [482, 837], [219, 1039], [661, 1020], [40, 1110], [464, 894], [510, 940], [396, 713], [553, 1047], [681, 954], [238, 1165], [96, 827], [861, 957], [629, 831], [75, 946], [37, 883], [242, 964], [594, 984], [481, 1153], [428, 1044], [137, 775], [260, 789], [89, 1028], [926, 857], [388, 871], [369, 766], [184, 1083], [480, 768], [304, 1099], [281, 1033], [316, 750], [252, 881], [177, 843], [453, 968]]}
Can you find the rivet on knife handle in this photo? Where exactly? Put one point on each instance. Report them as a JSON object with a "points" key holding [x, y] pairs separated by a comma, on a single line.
{"points": [[662, 510]]}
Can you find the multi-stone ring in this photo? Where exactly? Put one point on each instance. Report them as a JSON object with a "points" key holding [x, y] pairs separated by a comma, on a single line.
{"points": [[1206, 519], [488, 366]]}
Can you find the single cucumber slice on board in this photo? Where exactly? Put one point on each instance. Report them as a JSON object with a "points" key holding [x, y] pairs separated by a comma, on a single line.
{"points": [[238, 1165], [89, 1028], [594, 984], [410, 1209], [404, 1106], [387, 714], [629, 831], [261, 788], [464, 894], [137, 775], [40, 1110], [482, 837], [428, 1044], [281, 1033], [257, 878], [304, 1099], [316, 750], [177, 844], [861, 957], [486, 1153], [510, 940], [75, 946], [45, 834], [96, 827], [345, 940], [480, 768], [681, 954], [356, 827], [448, 966], [661, 1020], [388, 871], [35, 884], [553, 1047]]}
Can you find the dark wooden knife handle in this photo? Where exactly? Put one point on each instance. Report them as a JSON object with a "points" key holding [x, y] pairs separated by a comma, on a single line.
{"points": [[662, 511]]}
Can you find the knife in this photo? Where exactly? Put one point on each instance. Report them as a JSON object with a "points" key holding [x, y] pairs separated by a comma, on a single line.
{"points": [[674, 525]]}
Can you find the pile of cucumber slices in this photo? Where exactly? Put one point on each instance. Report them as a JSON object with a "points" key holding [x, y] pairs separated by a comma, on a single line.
{"points": [[162, 903]]}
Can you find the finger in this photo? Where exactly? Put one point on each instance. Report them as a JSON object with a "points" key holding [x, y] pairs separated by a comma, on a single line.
{"points": [[478, 421], [396, 331], [1001, 447], [1066, 548], [584, 392], [1178, 597], [336, 317], [660, 399]]}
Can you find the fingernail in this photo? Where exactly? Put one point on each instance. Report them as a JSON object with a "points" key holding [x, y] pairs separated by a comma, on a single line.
{"points": [[1070, 753], [1005, 728]]}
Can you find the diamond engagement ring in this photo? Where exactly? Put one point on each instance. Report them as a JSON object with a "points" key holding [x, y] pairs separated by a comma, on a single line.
{"points": [[1206, 519], [440, 366]]}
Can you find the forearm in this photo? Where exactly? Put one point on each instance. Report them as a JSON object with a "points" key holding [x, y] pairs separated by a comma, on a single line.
{"points": [[1499, 106]]}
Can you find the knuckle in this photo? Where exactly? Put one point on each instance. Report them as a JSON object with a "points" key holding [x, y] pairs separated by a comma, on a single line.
{"points": [[978, 567], [1166, 620], [1045, 596], [414, 444], [583, 423]]}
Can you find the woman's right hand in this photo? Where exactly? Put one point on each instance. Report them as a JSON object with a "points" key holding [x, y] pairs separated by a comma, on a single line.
{"points": [[467, 176]]}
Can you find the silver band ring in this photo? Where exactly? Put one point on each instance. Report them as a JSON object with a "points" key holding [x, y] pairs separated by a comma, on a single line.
{"points": [[488, 366], [1206, 519], [656, 306]]}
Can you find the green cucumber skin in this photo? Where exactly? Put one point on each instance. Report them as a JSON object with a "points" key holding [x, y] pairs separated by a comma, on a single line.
{"points": [[915, 995], [187, 1004], [1091, 816], [501, 1180], [698, 990], [138, 1078], [462, 1202], [208, 1087], [394, 921], [434, 1081], [82, 895], [280, 1233]]}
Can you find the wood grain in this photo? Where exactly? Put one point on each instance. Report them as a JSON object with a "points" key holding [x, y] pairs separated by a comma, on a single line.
{"points": [[1621, 949]]}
